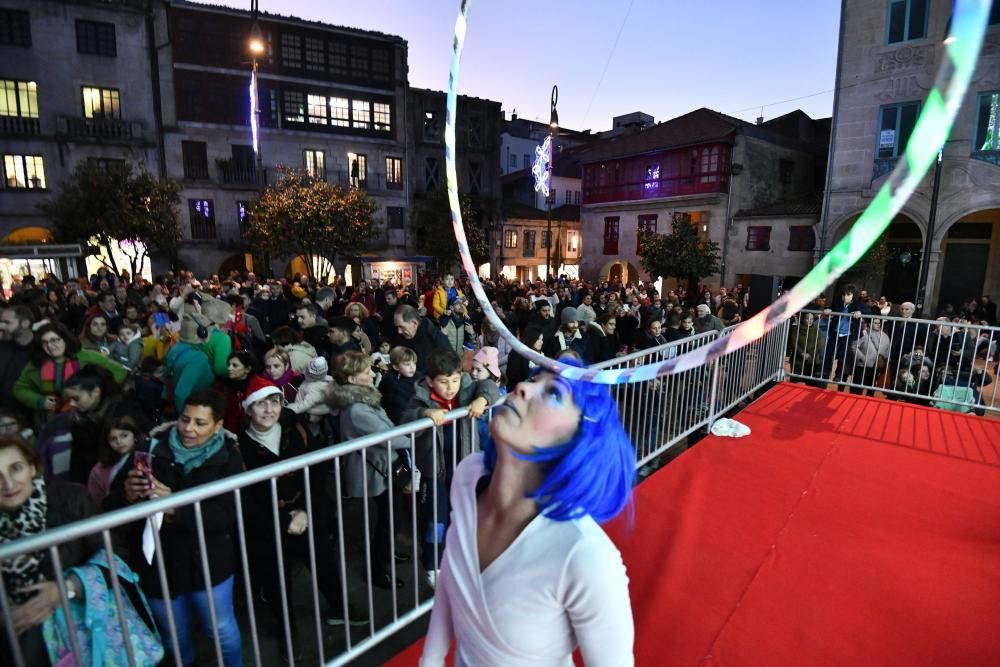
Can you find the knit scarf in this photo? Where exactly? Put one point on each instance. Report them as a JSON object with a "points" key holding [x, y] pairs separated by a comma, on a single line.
{"points": [[51, 371], [285, 378], [269, 440], [192, 457], [28, 519]]}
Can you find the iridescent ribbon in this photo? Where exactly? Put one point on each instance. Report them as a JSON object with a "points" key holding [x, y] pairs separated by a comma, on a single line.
{"points": [[961, 51]]}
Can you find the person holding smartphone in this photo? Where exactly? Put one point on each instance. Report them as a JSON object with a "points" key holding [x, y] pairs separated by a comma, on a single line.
{"points": [[192, 451]]}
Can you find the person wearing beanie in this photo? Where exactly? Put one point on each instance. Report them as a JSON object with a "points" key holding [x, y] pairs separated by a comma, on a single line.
{"points": [[270, 434], [313, 393], [568, 336]]}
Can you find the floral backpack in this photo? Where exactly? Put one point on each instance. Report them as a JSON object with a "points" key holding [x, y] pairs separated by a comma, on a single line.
{"points": [[96, 622]]}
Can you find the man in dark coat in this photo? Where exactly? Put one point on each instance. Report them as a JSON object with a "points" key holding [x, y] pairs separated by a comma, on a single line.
{"points": [[418, 334], [16, 337]]}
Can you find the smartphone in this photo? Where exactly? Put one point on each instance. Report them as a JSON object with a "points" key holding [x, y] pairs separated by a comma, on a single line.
{"points": [[143, 462]]}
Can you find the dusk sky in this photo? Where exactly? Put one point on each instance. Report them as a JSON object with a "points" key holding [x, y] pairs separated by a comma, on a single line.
{"points": [[672, 56]]}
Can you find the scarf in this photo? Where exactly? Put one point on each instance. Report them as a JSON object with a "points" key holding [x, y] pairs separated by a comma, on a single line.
{"points": [[269, 440], [193, 457], [51, 371], [28, 519], [285, 378]]}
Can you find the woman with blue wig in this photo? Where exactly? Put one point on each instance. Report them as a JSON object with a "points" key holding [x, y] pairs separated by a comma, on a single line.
{"points": [[529, 575]]}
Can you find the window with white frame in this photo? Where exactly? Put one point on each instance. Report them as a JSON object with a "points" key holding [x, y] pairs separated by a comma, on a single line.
{"points": [[318, 111], [24, 172], [340, 112], [510, 239], [101, 103], [394, 173], [383, 117], [361, 114], [315, 164], [18, 98]]}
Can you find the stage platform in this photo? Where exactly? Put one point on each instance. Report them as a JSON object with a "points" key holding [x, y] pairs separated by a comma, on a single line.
{"points": [[843, 531]]}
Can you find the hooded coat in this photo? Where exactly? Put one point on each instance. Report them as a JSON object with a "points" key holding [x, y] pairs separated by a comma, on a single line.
{"points": [[358, 411]]}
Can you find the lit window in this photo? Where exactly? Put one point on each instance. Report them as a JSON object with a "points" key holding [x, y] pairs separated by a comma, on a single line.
{"points": [[316, 164], [510, 238], [340, 112], [986, 127], [317, 109], [19, 98], [361, 114], [758, 238], [572, 241], [359, 169], [101, 103], [394, 173], [24, 172], [383, 117]]}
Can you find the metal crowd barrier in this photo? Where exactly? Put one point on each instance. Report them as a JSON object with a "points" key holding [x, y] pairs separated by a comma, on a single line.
{"points": [[657, 415], [938, 363]]}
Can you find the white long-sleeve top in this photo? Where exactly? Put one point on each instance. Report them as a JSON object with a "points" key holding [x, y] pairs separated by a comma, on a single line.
{"points": [[560, 584]]}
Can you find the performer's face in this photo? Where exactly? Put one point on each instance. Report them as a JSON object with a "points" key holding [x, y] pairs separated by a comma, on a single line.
{"points": [[539, 413]]}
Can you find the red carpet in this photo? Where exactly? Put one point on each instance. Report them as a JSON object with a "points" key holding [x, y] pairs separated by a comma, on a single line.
{"points": [[842, 531]]}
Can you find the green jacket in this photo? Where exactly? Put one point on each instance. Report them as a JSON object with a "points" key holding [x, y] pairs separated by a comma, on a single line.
{"points": [[30, 389]]}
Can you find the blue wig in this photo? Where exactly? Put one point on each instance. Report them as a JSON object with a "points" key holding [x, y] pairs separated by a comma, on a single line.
{"points": [[594, 471]]}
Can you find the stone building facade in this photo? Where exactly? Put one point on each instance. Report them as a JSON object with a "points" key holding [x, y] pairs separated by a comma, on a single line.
{"points": [[738, 182], [75, 85], [889, 54], [332, 103]]}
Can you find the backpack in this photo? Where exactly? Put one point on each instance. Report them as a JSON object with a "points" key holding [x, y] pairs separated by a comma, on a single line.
{"points": [[96, 622]]}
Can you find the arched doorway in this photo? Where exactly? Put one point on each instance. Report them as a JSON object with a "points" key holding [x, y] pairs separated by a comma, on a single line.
{"points": [[619, 270], [322, 268], [239, 262], [969, 265], [891, 267]]}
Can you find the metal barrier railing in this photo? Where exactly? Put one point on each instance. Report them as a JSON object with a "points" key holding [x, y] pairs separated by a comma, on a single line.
{"points": [[929, 362], [657, 415]]}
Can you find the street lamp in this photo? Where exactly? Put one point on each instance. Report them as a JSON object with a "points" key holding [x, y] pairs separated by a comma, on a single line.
{"points": [[257, 48], [553, 133]]}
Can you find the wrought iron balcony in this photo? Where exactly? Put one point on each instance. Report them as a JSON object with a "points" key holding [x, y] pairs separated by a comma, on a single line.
{"points": [[238, 174], [107, 129], [18, 126]]}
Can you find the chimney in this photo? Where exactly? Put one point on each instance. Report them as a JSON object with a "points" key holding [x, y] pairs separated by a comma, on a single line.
{"points": [[513, 114], [760, 120]]}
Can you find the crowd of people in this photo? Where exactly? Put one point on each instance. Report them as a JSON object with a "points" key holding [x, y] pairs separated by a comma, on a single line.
{"points": [[136, 390]]}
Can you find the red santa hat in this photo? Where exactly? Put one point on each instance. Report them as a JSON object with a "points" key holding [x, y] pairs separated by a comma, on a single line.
{"points": [[257, 389]]}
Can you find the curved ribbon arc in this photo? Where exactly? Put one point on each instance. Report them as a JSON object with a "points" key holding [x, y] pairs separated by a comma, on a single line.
{"points": [[961, 52]]}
